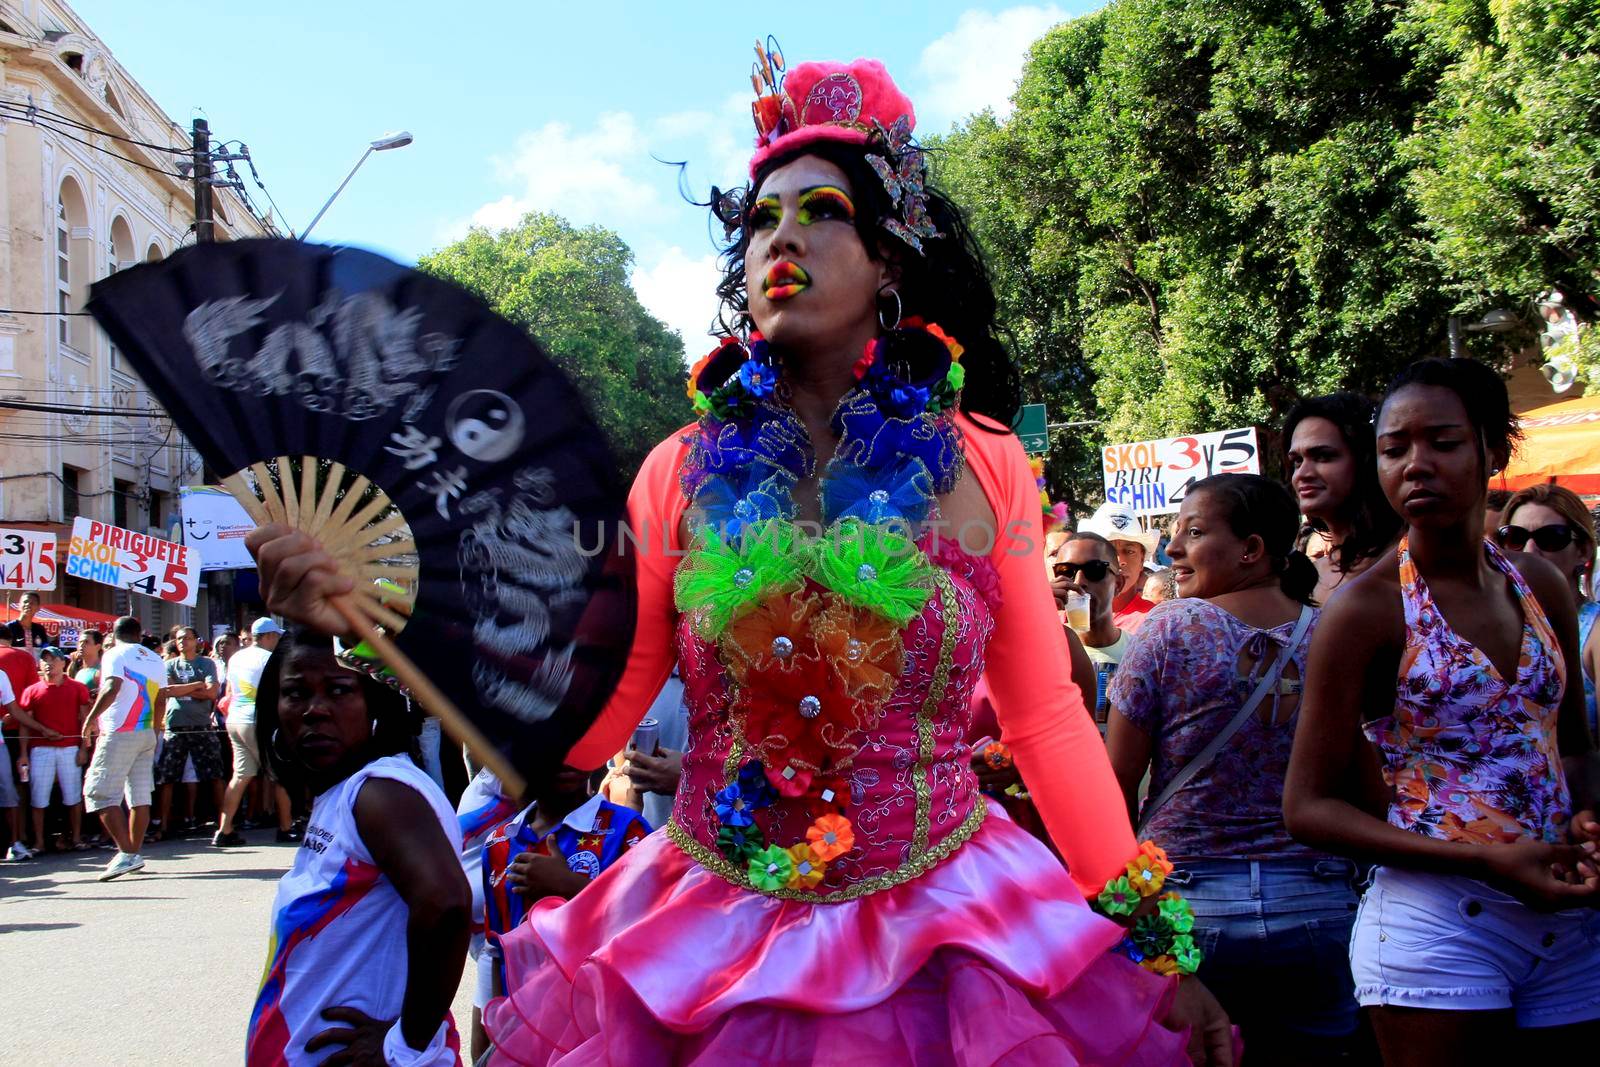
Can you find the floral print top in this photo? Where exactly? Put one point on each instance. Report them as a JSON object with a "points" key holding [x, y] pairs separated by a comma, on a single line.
{"points": [[1180, 682], [1472, 756]]}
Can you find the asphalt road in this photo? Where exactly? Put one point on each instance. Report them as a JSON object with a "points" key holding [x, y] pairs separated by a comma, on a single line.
{"points": [[157, 967]]}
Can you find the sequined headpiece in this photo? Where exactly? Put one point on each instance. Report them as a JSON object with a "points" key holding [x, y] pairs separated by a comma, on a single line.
{"points": [[845, 103]]}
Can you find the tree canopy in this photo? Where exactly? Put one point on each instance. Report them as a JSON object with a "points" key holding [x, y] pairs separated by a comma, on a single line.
{"points": [[568, 287], [1200, 210]]}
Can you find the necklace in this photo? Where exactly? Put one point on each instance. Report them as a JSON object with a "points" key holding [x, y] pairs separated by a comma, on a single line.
{"points": [[807, 618]]}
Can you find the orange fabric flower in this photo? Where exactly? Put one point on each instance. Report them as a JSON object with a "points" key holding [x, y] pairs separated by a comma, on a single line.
{"points": [[808, 867], [776, 633], [862, 648], [831, 836], [1157, 855], [1164, 965], [955, 347]]}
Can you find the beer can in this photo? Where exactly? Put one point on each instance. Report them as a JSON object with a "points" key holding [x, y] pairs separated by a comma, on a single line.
{"points": [[22, 774], [647, 736]]}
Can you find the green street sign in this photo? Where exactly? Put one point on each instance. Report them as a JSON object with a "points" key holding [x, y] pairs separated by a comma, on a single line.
{"points": [[1033, 429]]}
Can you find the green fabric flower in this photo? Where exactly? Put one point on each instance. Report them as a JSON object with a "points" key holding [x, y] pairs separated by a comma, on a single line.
{"points": [[1152, 933], [719, 579], [1187, 953], [956, 376], [875, 567], [739, 843], [1177, 912], [771, 868], [1119, 897]]}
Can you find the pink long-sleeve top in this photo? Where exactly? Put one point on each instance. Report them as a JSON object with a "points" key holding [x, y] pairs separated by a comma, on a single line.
{"points": [[1042, 716]]}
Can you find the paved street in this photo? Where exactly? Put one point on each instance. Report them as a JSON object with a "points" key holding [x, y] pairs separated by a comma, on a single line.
{"points": [[157, 967]]}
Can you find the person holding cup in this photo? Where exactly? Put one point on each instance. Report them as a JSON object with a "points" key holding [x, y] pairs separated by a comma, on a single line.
{"points": [[1086, 580]]}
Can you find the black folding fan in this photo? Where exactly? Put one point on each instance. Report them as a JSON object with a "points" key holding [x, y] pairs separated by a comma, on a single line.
{"points": [[429, 445]]}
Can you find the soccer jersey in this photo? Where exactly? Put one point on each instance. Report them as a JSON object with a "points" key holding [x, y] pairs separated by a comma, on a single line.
{"points": [[141, 673], [481, 809], [338, 926]]}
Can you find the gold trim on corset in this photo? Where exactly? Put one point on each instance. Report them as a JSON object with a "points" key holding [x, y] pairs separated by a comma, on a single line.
{"points": [[949, 611], [718, 865]]}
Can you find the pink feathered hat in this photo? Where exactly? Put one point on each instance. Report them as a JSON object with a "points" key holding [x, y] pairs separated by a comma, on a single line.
{"points": [[842, 102]]}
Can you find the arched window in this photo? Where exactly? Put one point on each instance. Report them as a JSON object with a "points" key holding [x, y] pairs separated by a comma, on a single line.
{"points": [[122, 255], [74, 249], [153, 254]]}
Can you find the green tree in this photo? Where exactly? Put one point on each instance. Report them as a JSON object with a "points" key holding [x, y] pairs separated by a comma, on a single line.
{"points": [[1198, 211], [568, 287], [1508, 153]]}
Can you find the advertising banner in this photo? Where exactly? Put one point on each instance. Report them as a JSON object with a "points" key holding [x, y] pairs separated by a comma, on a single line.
{"points": [[215, 526], [110, 555], [27, 559], [1152, 476]]}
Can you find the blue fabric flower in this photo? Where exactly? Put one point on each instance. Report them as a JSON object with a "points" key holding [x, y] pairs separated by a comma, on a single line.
{"points": [[733, 502], [901, 491], [757, 378], [732, 807], [758, 792]]}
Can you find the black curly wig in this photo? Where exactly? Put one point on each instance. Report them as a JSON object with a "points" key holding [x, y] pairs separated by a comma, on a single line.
{"points": [[948, 285]]}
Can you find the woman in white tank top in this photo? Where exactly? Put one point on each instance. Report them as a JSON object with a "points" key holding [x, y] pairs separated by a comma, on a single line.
{"points": [[370, 926]]}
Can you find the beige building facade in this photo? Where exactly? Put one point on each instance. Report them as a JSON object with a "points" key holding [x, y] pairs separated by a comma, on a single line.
{"points": [[93, 178]]}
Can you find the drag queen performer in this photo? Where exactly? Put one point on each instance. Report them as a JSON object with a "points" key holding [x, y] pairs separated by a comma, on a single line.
{"points": [[852, 540]]}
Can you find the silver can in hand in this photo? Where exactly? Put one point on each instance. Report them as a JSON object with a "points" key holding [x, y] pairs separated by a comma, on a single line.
{"points": [[647, 737]]}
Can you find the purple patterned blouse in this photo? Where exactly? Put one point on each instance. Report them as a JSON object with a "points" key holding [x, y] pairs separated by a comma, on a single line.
{"points": [[1180, 683]]}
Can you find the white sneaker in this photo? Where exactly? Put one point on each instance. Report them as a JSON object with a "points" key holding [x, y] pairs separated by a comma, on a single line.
{"points": [[121, 864], [18, 852]]}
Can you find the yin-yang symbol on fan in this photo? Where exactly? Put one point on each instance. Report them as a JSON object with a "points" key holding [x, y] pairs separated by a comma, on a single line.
{"points": [[484, 425]]}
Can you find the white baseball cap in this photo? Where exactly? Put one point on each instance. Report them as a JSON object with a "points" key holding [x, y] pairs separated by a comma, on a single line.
{"points": [[1116, 522]]}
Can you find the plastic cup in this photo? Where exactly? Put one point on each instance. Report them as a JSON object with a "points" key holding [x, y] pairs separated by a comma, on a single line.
{"points": [[1078, 611]]}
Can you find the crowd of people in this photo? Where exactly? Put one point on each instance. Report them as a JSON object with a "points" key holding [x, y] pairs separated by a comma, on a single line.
{"points": [[114, 725]]}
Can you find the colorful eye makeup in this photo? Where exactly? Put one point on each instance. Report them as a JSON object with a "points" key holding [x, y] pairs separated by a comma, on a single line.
{"points": [[817, 204], [825, 202]]}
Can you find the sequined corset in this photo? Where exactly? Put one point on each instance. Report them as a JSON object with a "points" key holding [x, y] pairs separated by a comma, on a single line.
{"points": [[1472, 756], [909, 792]]}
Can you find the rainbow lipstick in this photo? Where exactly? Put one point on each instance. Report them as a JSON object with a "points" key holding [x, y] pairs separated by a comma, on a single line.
{"points": [[785, 280]]}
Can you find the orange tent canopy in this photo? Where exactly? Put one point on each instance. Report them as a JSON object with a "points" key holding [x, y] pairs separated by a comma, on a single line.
{"points": [[1561, 443]]}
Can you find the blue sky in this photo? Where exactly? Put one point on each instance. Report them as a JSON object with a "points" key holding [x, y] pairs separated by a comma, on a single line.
{"points": [[533, 105]]}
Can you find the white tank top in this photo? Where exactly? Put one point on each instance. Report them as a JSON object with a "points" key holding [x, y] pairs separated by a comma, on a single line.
{"points": [[338, 926]]}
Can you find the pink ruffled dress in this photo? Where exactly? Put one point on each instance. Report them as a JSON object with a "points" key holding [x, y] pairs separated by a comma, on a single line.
{"points": [[946, 936]]}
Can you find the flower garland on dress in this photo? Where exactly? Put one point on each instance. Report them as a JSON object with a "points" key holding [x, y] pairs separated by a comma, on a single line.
{"points": [[808, 628]]}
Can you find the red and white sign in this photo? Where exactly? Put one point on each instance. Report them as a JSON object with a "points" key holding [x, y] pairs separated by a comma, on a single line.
{"points": [[110, 555], [27, 559], [1152, 477]]}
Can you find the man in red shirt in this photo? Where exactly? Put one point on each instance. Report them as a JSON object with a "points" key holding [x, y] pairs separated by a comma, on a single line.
{"points": [[61, 705]]}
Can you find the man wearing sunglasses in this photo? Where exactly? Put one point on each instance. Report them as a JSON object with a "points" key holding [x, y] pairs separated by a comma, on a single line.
{"points": [[1087, 563]]}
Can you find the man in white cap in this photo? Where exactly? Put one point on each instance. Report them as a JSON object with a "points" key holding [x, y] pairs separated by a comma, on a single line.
{"points": [[244, 676], [1134, 545]]}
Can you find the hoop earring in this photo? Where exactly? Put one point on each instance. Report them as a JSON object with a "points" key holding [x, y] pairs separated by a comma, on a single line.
{"points": [[899, 309], [276, 751]]}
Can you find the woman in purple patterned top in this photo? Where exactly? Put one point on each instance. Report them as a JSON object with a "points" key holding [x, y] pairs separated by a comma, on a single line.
{"points": [[1273, 914], [1479, 936]]}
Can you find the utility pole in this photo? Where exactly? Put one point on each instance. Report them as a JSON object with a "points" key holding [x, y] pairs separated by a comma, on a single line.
{"points": [[203, 225]]}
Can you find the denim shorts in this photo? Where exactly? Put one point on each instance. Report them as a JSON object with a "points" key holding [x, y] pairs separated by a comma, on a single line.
{"points": [[1276, 935], [1451, 943]]}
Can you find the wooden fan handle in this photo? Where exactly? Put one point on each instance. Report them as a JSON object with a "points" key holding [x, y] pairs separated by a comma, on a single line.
{"points": [[428, 695]]}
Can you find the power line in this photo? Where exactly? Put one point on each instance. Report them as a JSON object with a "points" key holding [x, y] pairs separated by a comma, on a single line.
{"points": [[31, 109]]}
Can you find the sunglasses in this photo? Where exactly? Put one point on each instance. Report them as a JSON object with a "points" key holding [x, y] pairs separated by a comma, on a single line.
{"points": [[1093, 571], [1552, 538]]}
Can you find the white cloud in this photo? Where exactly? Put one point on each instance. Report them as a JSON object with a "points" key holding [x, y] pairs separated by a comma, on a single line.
{"points": [[581, 175], [978, 64], [680, 291]]}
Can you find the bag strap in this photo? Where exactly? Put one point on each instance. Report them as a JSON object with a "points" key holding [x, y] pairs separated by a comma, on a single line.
{"points": [[1269, 681]]}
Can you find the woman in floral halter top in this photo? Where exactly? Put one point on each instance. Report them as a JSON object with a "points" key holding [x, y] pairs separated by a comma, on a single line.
{"points": [[1480, 932]]}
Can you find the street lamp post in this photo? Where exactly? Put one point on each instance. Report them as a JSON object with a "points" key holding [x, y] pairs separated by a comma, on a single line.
{"points": [[382, 144], [1497, 321]]}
